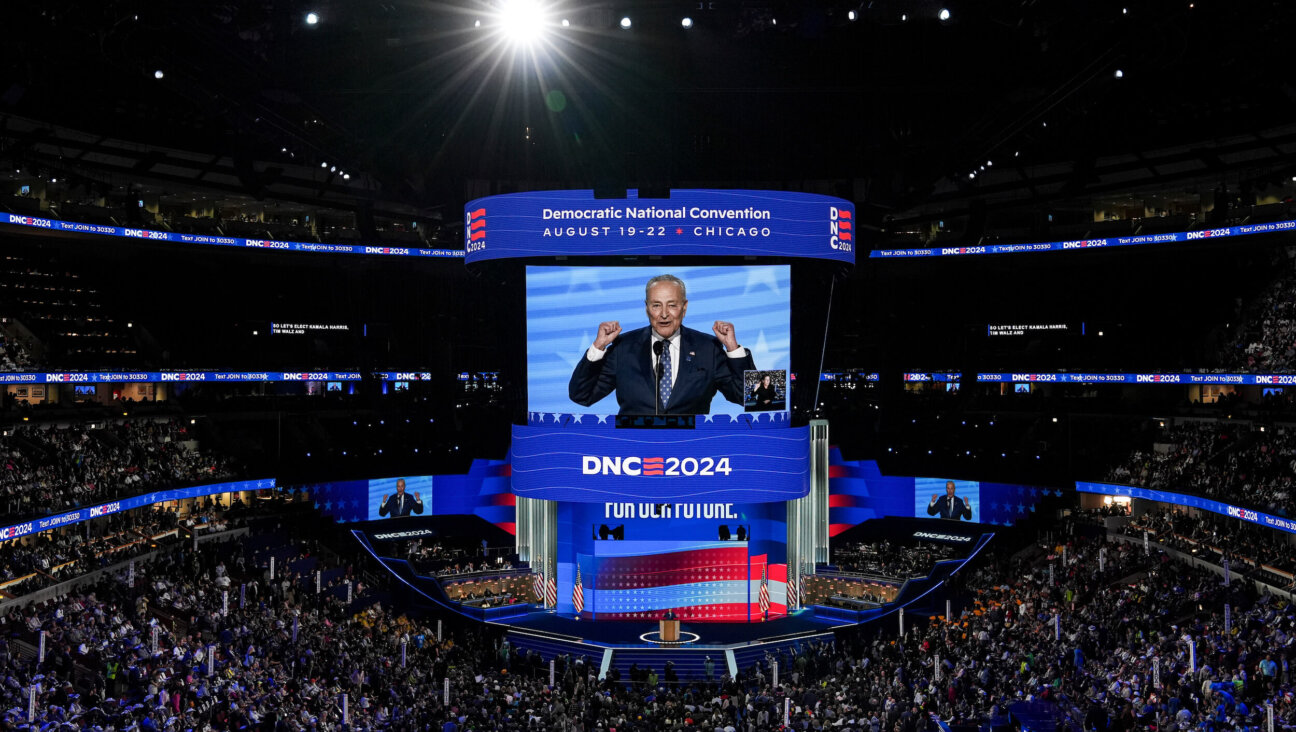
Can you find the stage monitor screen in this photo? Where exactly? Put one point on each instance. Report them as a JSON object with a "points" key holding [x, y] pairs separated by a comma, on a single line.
{"points": [[566, 307]]}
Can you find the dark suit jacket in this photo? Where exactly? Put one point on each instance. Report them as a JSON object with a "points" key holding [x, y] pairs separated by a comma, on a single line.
{"points": [[960, 509], [394, 506], [627, 368]]}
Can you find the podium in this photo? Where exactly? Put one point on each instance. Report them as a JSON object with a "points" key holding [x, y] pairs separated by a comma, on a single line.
{"points": [[668, 630]]}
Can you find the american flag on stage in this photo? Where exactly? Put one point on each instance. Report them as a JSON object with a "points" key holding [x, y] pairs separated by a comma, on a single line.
{"points": [[538, 586], [792, 592], [551, 588], [578, 593], [764, 593]]}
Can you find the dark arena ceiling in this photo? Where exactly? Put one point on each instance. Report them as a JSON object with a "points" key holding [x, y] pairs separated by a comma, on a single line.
{"points": [[883, 102]]}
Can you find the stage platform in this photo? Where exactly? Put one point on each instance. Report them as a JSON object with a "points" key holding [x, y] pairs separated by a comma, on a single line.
{"points": [[730, 647], [622, 633], [727, 648]]}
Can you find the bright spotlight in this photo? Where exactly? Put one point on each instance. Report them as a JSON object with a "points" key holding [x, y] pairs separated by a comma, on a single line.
{"points": [[1120, 74], [522, 20], [312, 18], [944, 14], [158, 74], [687, 22], [625, 23], [566, 24]]}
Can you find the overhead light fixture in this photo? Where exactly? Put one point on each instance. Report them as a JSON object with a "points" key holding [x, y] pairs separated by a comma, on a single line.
{"points": [[1120, 74], [158, 74], [850, 15], [312, 18], [944, 14], [625, 23], [687, 22], [566, 24], [523, 21]]}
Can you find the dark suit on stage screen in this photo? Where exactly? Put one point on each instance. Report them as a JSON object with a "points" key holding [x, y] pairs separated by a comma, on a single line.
{"points": [[950, 506], [704, 368]]}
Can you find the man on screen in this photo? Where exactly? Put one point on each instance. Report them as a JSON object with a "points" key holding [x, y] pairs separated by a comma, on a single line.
{"points": [[400, 503], [664, 368], [949, 506]]}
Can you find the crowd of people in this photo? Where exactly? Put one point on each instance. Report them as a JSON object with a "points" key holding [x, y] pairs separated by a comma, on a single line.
{"points": [[48, 470], [237, 648], [445, 558], [1268, 339], [1253, 551], [1116, 660], [1184, 447], [50, 557], [1250, 466], [102, 669], [883, 558], [15, 355]]}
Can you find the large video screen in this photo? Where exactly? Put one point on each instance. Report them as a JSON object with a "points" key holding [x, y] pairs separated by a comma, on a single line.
{"points": [[956, 500], [397, 497], [858, 492], [746, 306]]}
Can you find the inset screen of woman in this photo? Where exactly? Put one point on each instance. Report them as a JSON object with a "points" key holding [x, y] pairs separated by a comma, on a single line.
{"points": [[765, 391]]}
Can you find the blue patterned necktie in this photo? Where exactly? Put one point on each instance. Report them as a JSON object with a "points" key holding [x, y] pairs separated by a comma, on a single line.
{"points": [[665, 388]]}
